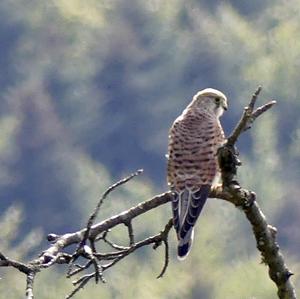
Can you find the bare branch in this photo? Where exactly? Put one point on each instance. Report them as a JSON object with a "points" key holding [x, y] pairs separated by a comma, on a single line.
{"points": [[164, 235], [265, 234], [7, 262], [79, 268], [230, 190], [164, 269], [129, 214], [105, 194], [248, 117], [156, 240], [254, 98], [29, 284], [130, 233], [262, 109], [115, 246], [81, 283]]}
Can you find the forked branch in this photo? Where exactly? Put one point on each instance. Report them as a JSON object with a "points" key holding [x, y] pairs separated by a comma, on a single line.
{"points": [[89, 239]]}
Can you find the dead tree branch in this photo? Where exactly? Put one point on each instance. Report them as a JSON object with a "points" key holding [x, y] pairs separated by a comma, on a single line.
{"points": [[264, 233], [89, 238]]}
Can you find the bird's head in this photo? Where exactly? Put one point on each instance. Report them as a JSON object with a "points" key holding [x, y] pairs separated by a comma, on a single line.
{"points": [[211, 100]]}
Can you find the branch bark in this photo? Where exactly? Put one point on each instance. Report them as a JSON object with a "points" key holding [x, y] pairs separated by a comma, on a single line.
{"points": [[86, 238], [264, 233]]}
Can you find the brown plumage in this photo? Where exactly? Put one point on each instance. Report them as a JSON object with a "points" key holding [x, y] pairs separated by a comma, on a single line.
{"points": [[194, 140]]}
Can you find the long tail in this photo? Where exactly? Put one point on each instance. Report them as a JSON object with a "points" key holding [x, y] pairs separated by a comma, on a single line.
{"points": [[191, 207], [179, 206], [175, 211]]}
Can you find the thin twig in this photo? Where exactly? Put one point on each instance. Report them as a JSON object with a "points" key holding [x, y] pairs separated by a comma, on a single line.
{"points": [[244, 122], [109, 255], [118, 256], [111, 244], [156, 239], [79, 268], [130, 233], [262, 109], [95, 213], [115, 246], [254, 98], [105, 194], [164, 236], [82, 282], [164, 269]]}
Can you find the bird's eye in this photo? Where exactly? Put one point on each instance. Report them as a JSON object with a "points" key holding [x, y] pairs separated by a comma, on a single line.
{"points": [[217, 100]]}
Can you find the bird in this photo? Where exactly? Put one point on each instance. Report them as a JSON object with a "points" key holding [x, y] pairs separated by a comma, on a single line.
{"points": [[192, 167]]}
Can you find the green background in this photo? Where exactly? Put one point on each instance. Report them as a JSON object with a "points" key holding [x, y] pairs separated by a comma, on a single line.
{"points": [[89, 90]]}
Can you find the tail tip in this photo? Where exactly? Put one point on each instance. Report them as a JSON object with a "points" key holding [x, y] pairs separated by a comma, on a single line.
{"points": [[184, 246], [183, 251]]}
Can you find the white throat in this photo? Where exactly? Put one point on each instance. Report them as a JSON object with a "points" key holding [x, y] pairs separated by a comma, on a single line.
{"points": [[219, 111]]}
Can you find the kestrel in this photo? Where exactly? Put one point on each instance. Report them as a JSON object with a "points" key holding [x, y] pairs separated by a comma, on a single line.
{"points": [[194, 139]]}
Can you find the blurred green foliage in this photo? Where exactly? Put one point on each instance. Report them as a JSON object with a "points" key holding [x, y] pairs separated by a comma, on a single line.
{"points": [[88, 92]]}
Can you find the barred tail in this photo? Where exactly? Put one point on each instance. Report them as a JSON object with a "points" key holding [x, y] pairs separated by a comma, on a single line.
{"points": [[185, 245], [175, 211], [179, 207], [195, 204]]}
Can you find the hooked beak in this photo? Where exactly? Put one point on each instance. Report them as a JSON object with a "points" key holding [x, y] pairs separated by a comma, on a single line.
{"points": [[225, 106]]}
